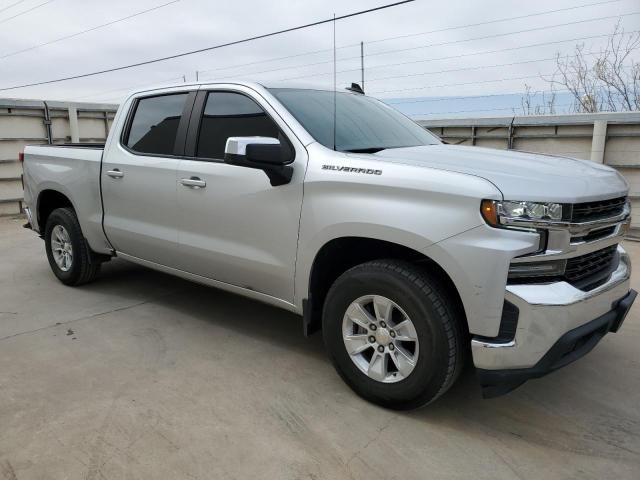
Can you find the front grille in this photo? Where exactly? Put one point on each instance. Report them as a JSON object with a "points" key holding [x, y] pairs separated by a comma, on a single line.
{"points": [[590, 211], [587, 271], [594, 235]]}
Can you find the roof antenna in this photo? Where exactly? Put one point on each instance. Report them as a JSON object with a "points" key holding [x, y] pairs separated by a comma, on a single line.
{"points": [[362, 65], [335, 106]]}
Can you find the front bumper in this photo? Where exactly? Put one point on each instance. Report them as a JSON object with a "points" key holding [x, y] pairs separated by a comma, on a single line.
{"points": [[557, 324]]}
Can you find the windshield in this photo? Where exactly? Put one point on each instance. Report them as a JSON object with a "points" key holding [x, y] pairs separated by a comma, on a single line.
{"points": [[363, 124]]}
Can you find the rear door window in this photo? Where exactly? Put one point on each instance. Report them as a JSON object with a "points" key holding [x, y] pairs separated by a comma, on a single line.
{"points": [[155, 123]]}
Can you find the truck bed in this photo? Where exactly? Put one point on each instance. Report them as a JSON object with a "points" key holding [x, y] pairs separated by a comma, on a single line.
{"points": [[99, 146], [74, 170]]}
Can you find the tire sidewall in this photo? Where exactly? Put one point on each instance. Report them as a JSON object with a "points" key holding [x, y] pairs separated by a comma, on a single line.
{"points": [[430, 372], [67, 220]]}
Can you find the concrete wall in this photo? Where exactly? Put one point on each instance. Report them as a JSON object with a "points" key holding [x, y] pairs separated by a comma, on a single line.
{"points": [[616, 141], [28, 122], [609, 138]]}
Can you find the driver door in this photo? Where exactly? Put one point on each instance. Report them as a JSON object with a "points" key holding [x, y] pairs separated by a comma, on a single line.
{"points": [[234, 226]]}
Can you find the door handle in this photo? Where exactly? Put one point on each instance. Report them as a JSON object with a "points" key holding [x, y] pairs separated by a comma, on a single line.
{"points": [[115, 173], [193, 182]]}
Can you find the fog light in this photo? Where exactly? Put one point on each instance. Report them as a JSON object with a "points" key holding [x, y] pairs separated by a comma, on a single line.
{"points": [[537, 269]]}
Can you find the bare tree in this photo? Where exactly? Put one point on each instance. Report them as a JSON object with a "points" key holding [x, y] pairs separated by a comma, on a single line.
{"points": [[530, 104], [604, 81]]}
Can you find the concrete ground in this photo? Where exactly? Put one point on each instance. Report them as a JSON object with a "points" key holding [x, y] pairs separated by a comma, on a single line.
{"points": [[140, 375]]}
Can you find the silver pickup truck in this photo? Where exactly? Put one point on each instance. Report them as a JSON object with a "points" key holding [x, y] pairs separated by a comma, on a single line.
{"points": [[408, 254]]}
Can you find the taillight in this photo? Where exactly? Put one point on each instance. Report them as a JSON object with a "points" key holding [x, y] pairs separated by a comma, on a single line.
{"points": [[21, 157]]}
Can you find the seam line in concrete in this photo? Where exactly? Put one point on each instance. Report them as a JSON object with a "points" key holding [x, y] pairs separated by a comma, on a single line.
{"points": [[87, 317]]}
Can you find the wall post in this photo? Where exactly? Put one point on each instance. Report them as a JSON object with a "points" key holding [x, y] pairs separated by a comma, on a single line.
{"points": [[73, 125], [47, 123], [599, 141]]}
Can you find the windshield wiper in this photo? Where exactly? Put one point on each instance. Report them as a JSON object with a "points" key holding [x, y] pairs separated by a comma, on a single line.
{"points": [[365, 150]]}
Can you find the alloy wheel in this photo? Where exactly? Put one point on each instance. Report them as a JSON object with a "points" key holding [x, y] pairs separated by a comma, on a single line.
{"points": [[61, 248], [380, 338]]}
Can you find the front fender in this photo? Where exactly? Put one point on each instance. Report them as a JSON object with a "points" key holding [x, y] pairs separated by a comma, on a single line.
{"points": [[477, 261], [414, 207]]}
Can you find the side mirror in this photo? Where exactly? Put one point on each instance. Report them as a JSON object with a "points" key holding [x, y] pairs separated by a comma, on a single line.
{"points": [[263, 153]]}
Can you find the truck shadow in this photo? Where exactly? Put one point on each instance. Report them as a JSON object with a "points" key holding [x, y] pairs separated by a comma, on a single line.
{"points": [[246, 317], [532, 412]]}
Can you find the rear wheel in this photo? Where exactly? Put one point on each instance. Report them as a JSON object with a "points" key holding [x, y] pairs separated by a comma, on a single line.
{"points": [[69, 255], [393, 333]]}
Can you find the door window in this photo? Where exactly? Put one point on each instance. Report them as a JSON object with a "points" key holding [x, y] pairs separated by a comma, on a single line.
{"points": [[155, 124], [228, 114]]}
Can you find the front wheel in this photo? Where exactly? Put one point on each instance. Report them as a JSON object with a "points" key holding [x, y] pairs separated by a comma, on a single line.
{"points": [[69, 255], [393, 333]]}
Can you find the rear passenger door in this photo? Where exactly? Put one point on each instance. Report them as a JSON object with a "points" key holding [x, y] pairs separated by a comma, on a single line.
{"points": [[139, 178], [236, 227]]}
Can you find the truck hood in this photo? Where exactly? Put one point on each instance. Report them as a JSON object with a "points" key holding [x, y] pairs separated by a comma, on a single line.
{"points": [[518, 175]]}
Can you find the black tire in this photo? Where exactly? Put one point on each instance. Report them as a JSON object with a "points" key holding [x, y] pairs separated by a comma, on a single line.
{"points": [[437, 319], [85, 264]]}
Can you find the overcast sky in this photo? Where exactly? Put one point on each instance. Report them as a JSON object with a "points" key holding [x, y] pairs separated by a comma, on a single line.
{"points": [[193, 24]]}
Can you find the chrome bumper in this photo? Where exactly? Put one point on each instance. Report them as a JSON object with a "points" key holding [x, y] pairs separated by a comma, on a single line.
{"points": [[546, 313]]}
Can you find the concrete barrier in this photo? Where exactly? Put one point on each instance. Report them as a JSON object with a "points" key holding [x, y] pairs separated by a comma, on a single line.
{"points": [[24, 122]]}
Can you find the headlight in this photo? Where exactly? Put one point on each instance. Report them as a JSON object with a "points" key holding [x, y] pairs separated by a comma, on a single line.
{"points": [[493, 211]]}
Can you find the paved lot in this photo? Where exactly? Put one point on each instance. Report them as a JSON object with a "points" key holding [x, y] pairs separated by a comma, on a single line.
{"points": [[141, 375]]}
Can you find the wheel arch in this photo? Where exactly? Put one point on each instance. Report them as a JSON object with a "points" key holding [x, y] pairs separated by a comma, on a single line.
{"points": [[48, 200], [340, 254]]}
